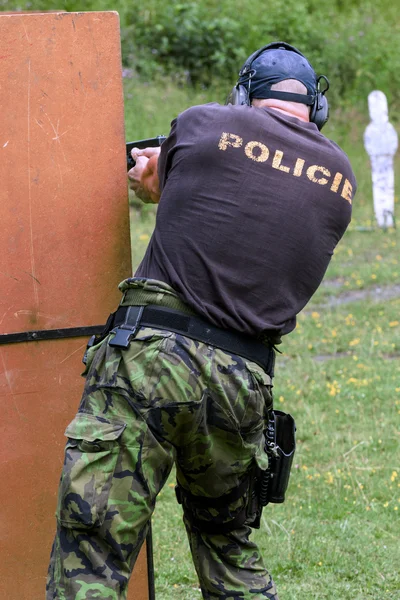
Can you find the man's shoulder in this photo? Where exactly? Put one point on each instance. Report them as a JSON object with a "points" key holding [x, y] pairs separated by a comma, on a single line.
{"points": [[209, 110], [335, 150], [207, 107]]}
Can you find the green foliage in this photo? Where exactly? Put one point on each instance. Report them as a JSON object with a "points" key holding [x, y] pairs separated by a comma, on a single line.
{"points": [[183, 39], [205, 42], [362, 53], [356, 43]]}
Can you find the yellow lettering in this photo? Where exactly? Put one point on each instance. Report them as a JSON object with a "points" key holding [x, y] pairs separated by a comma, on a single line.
{"points": [[347, 191], [298, 167], [311, 174], [336, 182], [276, 163], [263, 151], [229, 139]]}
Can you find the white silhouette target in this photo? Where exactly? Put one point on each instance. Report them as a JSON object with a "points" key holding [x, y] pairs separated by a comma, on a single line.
{"points": [[380, 140]]}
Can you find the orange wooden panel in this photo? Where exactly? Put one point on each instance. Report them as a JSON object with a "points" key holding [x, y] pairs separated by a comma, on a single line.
{"points": [[64, 247]]}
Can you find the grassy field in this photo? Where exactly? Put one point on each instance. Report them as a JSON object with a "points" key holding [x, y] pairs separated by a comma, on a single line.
{"points": [[337, 535]]}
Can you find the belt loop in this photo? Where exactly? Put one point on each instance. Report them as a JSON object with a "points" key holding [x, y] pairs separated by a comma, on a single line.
{"points": [[124, 332]]}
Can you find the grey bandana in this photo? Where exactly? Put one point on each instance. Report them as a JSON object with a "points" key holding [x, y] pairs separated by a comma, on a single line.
{"points": [[276, 65]]}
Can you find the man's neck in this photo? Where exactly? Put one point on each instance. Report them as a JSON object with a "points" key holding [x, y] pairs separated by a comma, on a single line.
{"points": [[293, 109]]}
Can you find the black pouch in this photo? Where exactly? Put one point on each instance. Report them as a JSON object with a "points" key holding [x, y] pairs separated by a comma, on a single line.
{"points": [[280, 447]]}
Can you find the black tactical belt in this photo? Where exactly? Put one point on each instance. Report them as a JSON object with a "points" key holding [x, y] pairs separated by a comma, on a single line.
{"points": [[128, 319]]}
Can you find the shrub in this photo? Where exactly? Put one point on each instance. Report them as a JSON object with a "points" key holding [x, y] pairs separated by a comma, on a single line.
{"points": [[356, 43], [185, 39]]}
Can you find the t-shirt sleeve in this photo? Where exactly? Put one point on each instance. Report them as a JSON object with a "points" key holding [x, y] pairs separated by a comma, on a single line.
{"points": [[167, 148]]}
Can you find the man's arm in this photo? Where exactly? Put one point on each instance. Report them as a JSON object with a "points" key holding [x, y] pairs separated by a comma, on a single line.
{"points": [[149, 175], [143, 178]]}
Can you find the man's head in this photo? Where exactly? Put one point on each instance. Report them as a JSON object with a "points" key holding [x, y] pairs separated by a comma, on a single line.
{"points": [[277, 64], [279, 71]]}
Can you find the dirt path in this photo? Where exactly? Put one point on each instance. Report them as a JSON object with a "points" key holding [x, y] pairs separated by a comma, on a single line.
{"points": [[376, 293]]}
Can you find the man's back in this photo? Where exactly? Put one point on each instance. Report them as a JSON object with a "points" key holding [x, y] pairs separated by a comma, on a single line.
{"points": [[254, 200], [253, 204]]}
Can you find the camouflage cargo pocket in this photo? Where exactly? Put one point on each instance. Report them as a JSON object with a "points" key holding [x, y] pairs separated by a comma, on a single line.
{"points": [[260, 402], [91, 456], [262, 382]]}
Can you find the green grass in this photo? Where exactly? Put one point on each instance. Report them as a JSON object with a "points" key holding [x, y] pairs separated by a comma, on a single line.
{"points": [[337, 534]]}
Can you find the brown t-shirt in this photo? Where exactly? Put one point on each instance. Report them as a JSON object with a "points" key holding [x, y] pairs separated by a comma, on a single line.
{"points": [[253, 204]]}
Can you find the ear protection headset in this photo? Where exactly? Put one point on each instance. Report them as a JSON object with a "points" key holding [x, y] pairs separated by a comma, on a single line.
{"points": [[241, 93]]}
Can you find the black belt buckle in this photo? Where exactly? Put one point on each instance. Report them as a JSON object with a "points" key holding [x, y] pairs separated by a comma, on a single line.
{"points": [[125, 332]]}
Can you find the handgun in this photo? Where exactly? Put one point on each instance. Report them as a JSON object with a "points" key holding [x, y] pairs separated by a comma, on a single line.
{"points": [[141, 144]]}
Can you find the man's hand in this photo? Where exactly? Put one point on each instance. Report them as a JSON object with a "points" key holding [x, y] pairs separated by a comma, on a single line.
{"points": [[143, 178]]}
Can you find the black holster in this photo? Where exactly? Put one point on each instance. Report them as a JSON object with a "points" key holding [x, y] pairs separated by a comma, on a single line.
{"points": [[280, 445], [258, 488]]}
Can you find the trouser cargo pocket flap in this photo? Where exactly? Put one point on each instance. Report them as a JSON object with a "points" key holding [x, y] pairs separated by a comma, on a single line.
{"points": [[91, 455]]}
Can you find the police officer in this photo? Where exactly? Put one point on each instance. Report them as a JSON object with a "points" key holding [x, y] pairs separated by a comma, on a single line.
{"points": [[253, 200]]}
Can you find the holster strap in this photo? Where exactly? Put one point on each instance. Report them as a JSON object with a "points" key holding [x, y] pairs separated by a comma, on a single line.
{"points": [[208, 501], [222, 523]]}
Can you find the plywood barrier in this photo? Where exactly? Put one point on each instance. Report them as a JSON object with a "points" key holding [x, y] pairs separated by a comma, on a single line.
{"points": [[64, 247]]}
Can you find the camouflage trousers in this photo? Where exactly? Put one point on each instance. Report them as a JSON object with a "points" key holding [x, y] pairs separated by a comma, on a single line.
{"points": [[167, 399]]}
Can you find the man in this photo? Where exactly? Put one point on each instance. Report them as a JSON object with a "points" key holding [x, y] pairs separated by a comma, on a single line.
{"points": [[253, 200]]}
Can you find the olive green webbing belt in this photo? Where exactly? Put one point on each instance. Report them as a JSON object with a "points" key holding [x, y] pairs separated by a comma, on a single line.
{"points": [[141, 297]]}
